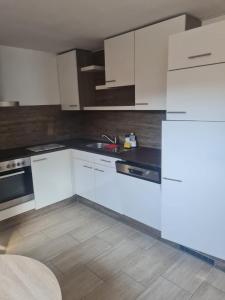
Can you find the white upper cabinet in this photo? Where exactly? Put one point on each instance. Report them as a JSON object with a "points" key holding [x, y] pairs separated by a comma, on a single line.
{"points": [[151, 62], [197, 93], [68, 81], [201, 46], [119, 60]]}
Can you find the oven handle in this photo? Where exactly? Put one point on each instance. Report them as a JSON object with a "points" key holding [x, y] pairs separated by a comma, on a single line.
{"points": [[11, 175]]}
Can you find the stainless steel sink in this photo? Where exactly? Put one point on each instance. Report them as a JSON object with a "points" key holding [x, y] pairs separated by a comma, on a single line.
{"points": [[98, 145]]}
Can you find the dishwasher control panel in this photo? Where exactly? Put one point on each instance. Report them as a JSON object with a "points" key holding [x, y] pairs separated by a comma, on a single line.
{"points": [[149, 173]]}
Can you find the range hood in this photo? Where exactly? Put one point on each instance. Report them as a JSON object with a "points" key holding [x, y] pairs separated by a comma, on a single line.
{"points": [[9, 103]]}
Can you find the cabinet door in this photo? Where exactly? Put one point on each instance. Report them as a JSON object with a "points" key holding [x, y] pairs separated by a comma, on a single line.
{"points": [[51, 177], [106, 192], [68, 81], [193, 191], [84, 179], [141, 200], [119, 60], [197, 94], [201, 46], [151, 63]]}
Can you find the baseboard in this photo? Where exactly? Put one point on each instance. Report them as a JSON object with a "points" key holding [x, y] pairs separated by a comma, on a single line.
{"points": [[218, 263]]}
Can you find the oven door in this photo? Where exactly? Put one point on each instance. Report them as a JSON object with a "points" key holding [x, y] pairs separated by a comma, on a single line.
{"points": [[16, 187]]}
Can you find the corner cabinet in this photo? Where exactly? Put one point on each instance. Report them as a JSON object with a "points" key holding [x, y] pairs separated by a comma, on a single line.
{"points": [[119, 60], [51, 177], [151, 61], [68, 80]]}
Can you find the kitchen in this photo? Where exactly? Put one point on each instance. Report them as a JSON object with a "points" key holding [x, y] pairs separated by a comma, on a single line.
{"points": [[111, 154]]}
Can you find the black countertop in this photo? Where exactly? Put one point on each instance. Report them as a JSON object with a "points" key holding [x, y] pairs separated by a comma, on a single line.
{"points": [[139, 155]]}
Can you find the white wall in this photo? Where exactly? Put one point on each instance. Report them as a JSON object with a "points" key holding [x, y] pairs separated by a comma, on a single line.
{"points": [[28, 76], [214, 20]]}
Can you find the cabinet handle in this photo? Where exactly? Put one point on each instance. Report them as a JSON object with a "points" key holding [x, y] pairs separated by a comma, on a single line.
{"points": [[99, 170], [142, 103], [87, 167], [108, 81], [200, 55], [176, 112], [104, 160], [73, 105], [172, 179], [41, 159]]}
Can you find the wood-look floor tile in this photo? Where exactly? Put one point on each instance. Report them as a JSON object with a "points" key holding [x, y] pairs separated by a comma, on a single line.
{"points": [[93, 226], [147, 265], [52, 248], [81, 254], [116, 234], [163, 289], [188, 272], [208, 292], [27, 244], [79, 283], [8, 238], [115, 260], [217, 279], [121, 287], [142, 240], [65, 227], [40, 223]]}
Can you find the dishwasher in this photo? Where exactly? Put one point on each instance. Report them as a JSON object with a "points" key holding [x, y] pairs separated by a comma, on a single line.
{"points": [[140, 190]]}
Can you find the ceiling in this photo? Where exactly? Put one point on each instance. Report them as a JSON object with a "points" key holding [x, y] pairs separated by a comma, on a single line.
{"points": [[59, 25]]}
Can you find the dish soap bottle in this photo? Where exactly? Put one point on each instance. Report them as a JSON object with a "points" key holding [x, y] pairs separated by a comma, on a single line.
{"points": [[133, 141], [127, 144]]}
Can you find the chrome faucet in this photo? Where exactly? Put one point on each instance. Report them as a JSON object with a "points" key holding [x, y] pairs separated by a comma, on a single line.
{"points": [[112, 141]]}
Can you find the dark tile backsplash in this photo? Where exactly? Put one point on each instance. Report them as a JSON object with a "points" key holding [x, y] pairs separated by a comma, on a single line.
{"points": [[146, 125], [28, 125]]}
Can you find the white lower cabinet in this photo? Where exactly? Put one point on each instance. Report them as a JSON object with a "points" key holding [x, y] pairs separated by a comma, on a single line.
{"points": [[141, 200], [83, 176], [51, 177], [106, 191]]}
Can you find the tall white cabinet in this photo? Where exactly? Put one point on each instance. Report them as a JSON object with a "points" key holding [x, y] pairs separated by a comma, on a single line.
{"points": [[68, 80], [193, 142], [151, 62], [193, 190]]}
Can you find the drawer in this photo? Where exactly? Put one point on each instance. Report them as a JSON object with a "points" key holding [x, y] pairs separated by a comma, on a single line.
{"points": [[83, 155], [201, 46], [105, 160]]}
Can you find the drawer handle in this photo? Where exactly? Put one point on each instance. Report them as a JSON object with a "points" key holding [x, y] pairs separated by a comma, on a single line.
{"points": [[142, 103], [172, 179], [107, 161], [73, 105], [87, 167], [41, 159], [176, 112], [99, 170], [108, 81], [200, 55]]}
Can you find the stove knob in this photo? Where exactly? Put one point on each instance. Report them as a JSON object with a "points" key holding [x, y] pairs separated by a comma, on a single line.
{"points": [[13, 165], [18, 164], [8, 166]]}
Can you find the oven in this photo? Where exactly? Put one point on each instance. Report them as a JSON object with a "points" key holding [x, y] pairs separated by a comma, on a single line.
{"points": [[16, 184]]}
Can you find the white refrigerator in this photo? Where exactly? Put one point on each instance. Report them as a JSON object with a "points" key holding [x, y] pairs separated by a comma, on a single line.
{"points": [[193, 185]]}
